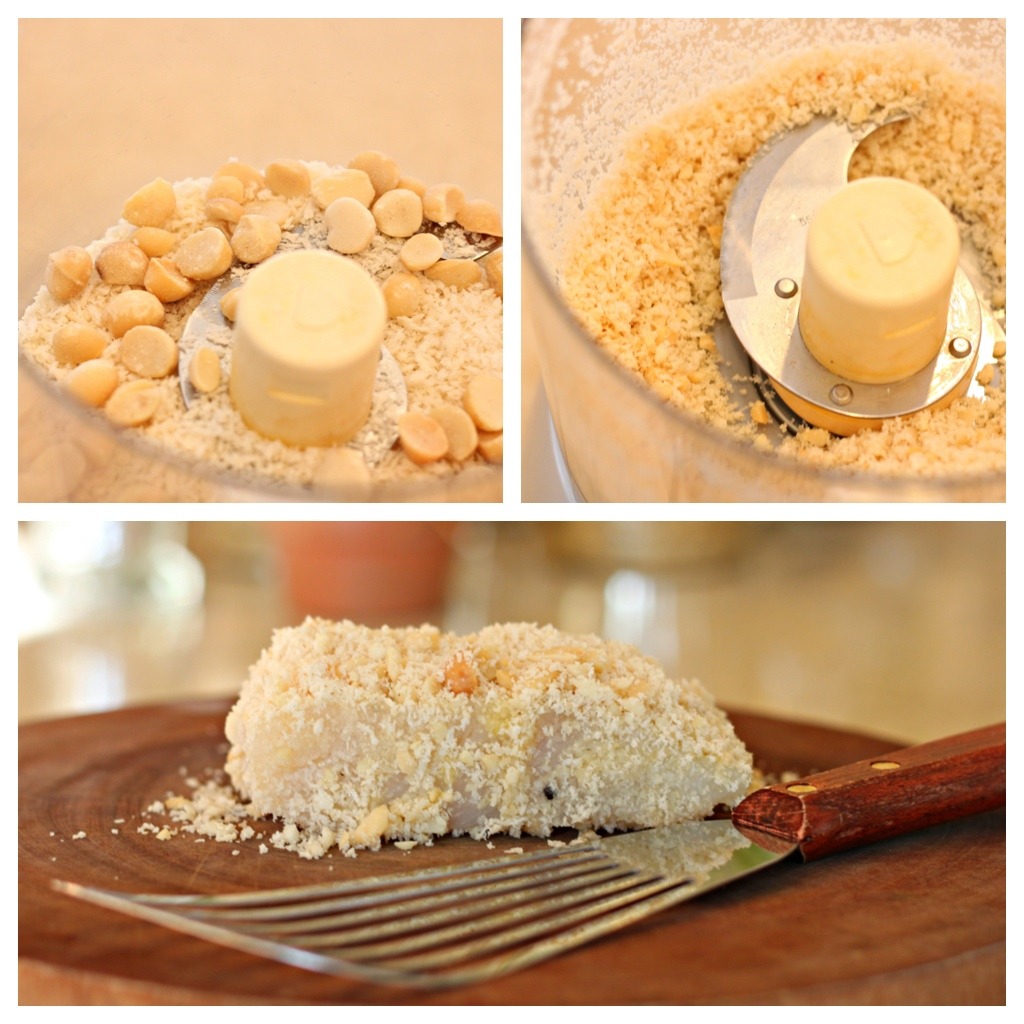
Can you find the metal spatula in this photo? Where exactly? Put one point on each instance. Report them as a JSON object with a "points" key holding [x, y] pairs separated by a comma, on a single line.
{"points": [[463, 924]]}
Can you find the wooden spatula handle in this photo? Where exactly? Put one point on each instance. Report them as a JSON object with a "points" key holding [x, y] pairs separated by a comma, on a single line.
{"points": [[882, 797]]}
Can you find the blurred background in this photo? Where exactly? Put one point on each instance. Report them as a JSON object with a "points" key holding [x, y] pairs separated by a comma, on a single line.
{"points": [[895, 629]]}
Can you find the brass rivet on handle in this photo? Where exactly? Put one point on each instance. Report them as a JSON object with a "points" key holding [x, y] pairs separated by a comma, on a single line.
{"points": [[883, 766], [801, 787]]}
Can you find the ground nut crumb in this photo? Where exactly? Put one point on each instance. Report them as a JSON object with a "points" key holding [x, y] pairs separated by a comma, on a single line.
{"points": [[641, 270]]}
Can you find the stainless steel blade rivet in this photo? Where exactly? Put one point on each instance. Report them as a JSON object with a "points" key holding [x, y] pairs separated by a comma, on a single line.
{"points": [[884, 766], [960, 347], [841, 394], [801, 787], [785, 287]]}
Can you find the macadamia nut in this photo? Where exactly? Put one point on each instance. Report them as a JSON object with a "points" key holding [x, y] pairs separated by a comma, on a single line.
{"points": [[398, 213], [422, 438], [403, 294], [456, 273], [493, 264], [381, 169], [343, 469], [148, 351], [351, 184], [482, 399], [287, 178], [164, 280], [251, 179], [133, 403], [122, 263], [152, 206], [204, 255], [229, 303], [442, 202], [421, 251], [77, 343], [130, 308], [491, 446], [67, 272], [223, 208], [154, 241], [256, 238], [204, 371], [480, 216], [92, 382], [226, 187], [460, 430], [350, 226]]}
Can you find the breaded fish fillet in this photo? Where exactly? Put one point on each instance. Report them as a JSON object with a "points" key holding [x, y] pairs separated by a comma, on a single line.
{"points": [[358, 735]]}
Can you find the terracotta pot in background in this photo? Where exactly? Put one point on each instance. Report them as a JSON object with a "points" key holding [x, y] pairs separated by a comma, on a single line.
{"points": [[372, 573]]}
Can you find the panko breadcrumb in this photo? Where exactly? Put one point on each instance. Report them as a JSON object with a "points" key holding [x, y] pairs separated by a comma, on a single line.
{"points": [[354, 736]]}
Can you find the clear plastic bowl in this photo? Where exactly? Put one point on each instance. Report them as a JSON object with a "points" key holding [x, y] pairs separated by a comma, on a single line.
{"points": [[618, 440], [108, 105]]}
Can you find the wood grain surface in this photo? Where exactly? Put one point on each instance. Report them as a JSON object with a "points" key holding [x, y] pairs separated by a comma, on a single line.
{"points": [[919, 919]]}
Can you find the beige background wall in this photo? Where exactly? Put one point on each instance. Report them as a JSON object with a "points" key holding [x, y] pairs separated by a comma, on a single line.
{"points": [[105, 106]]}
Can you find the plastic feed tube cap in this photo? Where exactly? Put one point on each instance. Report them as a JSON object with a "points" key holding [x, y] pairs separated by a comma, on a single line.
{"points": [[306, 346], [880, 260]]}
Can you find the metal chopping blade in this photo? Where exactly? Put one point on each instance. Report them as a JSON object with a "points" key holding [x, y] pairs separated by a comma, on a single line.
{"points": [[762, 264]]}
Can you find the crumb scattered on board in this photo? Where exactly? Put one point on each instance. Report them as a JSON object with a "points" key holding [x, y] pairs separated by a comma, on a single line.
{"points": [[212, 810]]}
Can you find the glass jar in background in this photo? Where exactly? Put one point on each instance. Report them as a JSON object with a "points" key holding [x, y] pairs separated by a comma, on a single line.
{"points": [[373, 573]]}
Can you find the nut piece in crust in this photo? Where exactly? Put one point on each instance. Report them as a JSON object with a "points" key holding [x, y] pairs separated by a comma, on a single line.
{"points": [[460, 676], [92, 382], [459, 429], [483, 401], [166, 281], [455, 273], [133, 404], [442, 202], [403, 294], [77, 343]]}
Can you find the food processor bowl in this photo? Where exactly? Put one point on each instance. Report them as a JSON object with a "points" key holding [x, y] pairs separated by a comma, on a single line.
{"points": [[588, 86], [108, 105]]}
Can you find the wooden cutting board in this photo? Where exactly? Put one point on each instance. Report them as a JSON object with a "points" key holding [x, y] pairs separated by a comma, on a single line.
{"points": [[916, 920]]}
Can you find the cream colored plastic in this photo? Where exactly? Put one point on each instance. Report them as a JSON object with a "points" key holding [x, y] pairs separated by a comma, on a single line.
{"points": [[306, 348], [880, 260]]}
